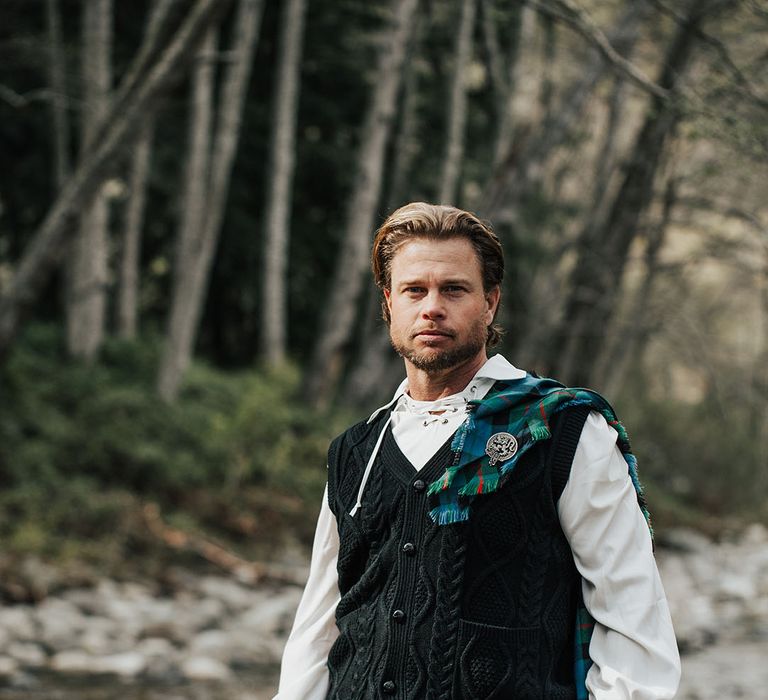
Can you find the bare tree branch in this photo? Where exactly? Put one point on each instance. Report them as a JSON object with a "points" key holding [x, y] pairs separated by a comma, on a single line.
{"points": [[252, 572], [577, 18], [19, 100], [722, 52], [47, 244]]}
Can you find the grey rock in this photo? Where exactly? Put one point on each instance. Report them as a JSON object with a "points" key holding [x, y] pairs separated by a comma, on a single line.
{"points": [[73, 661], [274, 615], [156, 646], [685, 540], [199, 614], [248, 649], [735, 586], [126, 665], [215, 644], [203, 668], [18, 622], [27, 654], [60, 623], [8, 666], [233, 595]]}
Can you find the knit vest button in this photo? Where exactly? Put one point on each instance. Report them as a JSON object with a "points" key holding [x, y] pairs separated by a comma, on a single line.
{"points": [[398, 616], [419, 485], [389, 687], [409, 548]]}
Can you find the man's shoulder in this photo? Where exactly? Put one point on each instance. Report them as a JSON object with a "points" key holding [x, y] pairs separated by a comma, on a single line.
{"points": [[355, 435], [351, 433]]}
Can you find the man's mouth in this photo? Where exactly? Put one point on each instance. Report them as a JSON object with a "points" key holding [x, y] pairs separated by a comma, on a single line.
{"points": [[432, 333]]}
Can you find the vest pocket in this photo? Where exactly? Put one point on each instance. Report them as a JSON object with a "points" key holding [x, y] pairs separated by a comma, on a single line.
{"points": [[351, 655], [495, 662]]}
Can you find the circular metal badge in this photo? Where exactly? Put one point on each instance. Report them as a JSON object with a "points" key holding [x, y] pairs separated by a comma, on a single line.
{"points": [[501, 447]]}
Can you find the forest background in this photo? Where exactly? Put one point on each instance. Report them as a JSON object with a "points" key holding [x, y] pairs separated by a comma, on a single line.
{"points": [[189, 195]]}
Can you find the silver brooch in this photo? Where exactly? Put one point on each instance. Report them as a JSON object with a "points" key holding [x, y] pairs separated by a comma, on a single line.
{"points": [[500, 447]]}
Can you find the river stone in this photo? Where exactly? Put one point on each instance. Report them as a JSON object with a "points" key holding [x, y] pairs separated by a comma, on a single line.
{"points": [[105, 636], [234, 596], [8, 666], [126, 665], [60, 623], [74, 661], [155, 646], [203, 668], [692, 612], [755, 535], [199, 614], [161, 658], [734, 586], [27, 654], [215, 644], [275, 615], [249, 649], [683, 539], [18, 622]]}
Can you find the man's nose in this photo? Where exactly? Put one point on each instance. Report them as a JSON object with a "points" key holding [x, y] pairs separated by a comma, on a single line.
{"points": [[433, 306]]}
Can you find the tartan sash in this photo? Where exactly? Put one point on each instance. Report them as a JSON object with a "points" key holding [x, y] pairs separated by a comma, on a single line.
{"points": [[522, 409]]}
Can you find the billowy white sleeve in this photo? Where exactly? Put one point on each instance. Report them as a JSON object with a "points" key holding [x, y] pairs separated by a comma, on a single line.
{"points": [[303, 673], [633, 647]]}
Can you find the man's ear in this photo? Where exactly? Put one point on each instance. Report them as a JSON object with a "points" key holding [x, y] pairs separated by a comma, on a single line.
{"points": [[388, 298], [492, 299]]}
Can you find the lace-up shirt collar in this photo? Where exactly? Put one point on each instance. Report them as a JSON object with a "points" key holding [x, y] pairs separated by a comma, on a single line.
{"points": [[420, 427], [495, 368]]}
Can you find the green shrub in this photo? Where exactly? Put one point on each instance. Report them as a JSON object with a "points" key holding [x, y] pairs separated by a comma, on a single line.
{"points": [[82, 445]]}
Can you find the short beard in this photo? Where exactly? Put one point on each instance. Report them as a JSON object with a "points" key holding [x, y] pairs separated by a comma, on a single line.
{"points": [[445, 359]]}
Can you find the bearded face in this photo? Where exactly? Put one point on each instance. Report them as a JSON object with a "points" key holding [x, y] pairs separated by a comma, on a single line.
{"points": [[439, 310]]}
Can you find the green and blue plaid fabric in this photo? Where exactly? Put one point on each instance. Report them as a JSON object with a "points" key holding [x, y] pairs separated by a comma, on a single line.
{"points": [[523, 409]]}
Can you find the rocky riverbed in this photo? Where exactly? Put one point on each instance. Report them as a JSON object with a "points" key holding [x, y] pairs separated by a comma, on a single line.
{"points": [[214, 638]]}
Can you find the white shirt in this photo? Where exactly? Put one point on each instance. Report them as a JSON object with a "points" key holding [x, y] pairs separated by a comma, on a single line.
{"points": [[633, 646]]}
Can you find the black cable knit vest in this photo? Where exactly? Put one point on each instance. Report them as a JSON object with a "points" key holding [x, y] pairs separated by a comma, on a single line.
{"points": [[477, 610]]}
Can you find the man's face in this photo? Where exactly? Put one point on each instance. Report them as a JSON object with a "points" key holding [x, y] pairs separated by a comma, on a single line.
{"points": [[439, 311]]}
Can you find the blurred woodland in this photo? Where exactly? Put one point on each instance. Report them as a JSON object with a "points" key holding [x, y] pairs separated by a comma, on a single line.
{"points": [[191, 188]]}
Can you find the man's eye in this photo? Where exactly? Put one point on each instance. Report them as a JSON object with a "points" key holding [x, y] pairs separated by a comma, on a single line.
{"points": [[414, 290], [454, 289]]}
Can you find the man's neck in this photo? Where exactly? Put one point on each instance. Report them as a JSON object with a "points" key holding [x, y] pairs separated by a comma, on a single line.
{"points": [[430, 386]]}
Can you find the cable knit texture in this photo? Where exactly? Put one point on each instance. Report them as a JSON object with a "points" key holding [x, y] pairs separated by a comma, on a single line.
{"points": [[478, 610]]}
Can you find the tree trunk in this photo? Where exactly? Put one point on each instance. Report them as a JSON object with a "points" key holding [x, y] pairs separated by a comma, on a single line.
{"points": [[519, 162], [128, 290], [629, 339], [377, 363], [136, 97], [548, 63], [339, 316], [179, 338], [275, 293], [88, 270], [760, 380], [534, 292], [457, 109], [407, 143], [202, 218], [503, 74], [602, 253], [61, 136]]}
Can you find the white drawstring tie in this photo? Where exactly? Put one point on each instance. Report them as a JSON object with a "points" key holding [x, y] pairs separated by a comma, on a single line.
{"points": [[369, 466], [450, 404]]}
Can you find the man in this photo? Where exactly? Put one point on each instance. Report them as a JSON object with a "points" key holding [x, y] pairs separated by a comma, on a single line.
{"points": [[483, 530]]}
